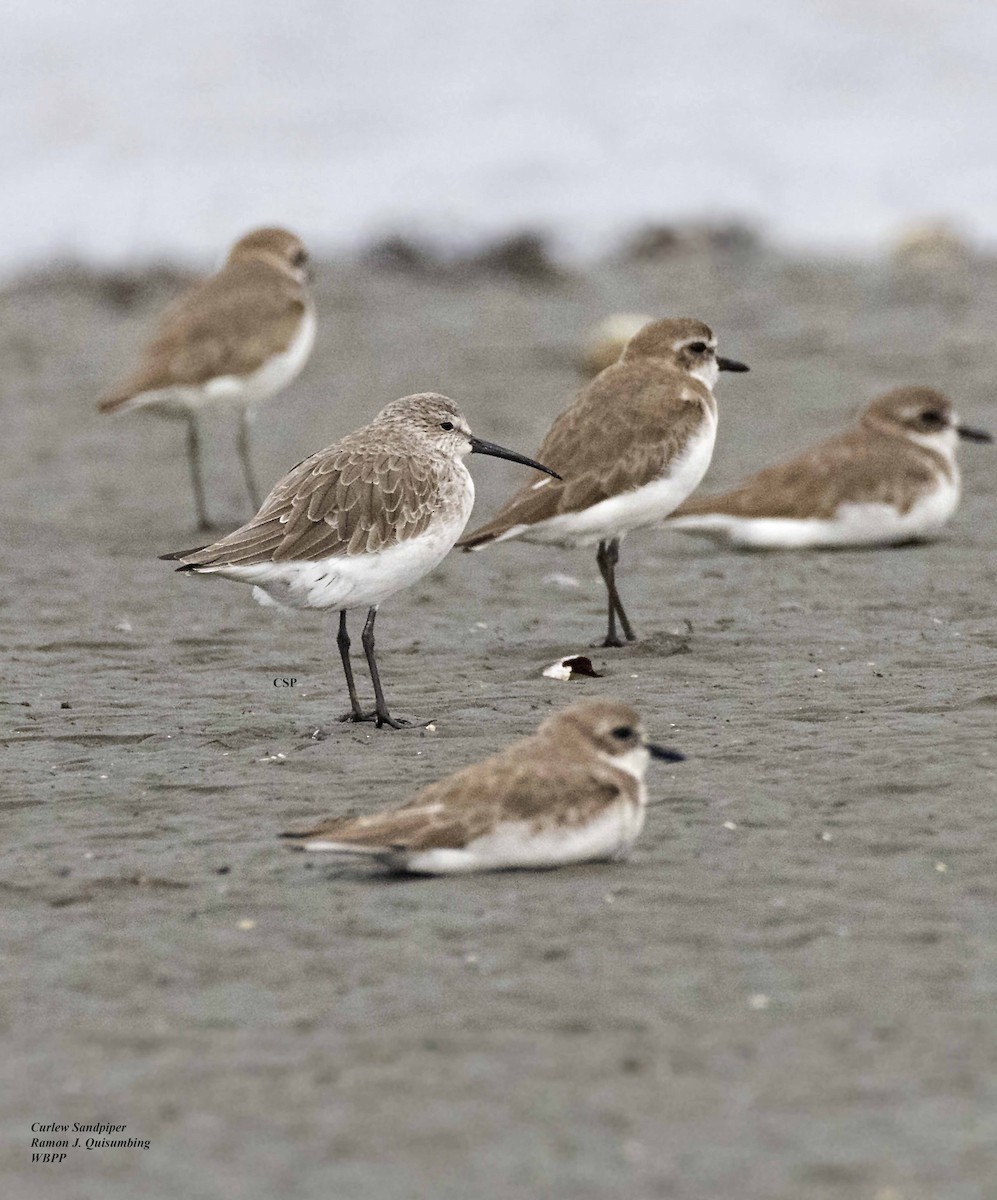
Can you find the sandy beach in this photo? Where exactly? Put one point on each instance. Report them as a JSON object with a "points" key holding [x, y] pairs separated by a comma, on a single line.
{"points": [[788, 992]]}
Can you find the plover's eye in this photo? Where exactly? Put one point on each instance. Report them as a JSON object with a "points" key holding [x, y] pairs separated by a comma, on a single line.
{"points": [[698, 347], [447, 425], [622, 733], [934, 419], [300, 259]]}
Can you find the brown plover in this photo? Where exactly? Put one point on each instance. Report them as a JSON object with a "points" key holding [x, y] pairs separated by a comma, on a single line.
{"points": [[891, 478], [634, 444], [572, 792], [236, 339]]}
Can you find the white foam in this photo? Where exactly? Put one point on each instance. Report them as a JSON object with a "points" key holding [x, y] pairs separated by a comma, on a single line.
{"points": [[173, 128]]}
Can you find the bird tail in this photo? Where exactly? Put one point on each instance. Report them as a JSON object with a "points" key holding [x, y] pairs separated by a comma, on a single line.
{"points": [[181, 556], [476, 540], [696, 506], [115, 401], [388, 856], [499, 529]]}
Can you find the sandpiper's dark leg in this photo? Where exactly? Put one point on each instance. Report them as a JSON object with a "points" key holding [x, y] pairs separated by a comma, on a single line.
{"points": [[194, 458], [382, 716], [243, 447], [607, 558], [356, 713]]}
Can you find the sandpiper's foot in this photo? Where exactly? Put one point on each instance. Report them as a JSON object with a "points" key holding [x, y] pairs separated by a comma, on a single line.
{"points": [[612, 641], [357, 716], [385, 718]]}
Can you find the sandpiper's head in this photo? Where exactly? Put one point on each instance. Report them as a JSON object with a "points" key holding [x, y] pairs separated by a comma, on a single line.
{"points": [[922, 414], [685, 344], [275, 246], [438, 424], [614, 732]]}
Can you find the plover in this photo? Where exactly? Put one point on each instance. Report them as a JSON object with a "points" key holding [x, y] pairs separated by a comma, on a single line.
{"points": [[237, 338], [572, 792], [635, 442], [359, 521], [892, 478]]}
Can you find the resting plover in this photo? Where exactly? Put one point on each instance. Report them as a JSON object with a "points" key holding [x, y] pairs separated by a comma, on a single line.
{"points": [[235, 339], [359, 521], [892, 478], [635, 442], [572, 792]]}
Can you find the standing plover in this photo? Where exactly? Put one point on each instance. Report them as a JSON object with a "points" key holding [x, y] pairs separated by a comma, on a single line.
{"points": [[635, 442], [572, 792], [359, 521], [892, 478], [235, 339]]}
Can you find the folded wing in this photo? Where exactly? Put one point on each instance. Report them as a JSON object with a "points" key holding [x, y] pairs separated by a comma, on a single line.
{"points": [[349, 499]]}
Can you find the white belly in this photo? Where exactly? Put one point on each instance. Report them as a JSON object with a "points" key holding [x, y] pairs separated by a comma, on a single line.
{"points": [[851, 525], [519, 845], [353, 580], [237, 390], [635, 509]]}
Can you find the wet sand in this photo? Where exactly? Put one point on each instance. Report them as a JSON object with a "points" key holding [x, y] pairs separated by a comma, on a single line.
{"points": [[789, 991]]}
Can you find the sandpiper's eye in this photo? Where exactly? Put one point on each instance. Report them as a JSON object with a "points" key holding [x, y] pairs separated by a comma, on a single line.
{"points": [[698, 347], [622, 733], [447, 425]]}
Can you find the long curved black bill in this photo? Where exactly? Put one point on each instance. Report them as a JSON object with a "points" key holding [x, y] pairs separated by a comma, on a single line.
{"points": [[973, 435], [664, 753], [480, 446], [731, 364]]}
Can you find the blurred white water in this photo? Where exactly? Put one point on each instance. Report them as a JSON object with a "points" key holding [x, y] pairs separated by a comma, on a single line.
{"points": [[140, 130]]}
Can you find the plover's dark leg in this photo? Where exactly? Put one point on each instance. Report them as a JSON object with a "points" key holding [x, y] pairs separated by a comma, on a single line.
{"points": [[611, 637], [194, 458], [613, 557], [356, 713], [382, 716], [608, 557], [243, 440]]}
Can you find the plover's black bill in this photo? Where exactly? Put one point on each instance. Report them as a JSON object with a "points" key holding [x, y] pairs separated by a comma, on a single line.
{"points": [[480, 446], [731, 364], [664, 753], [973, 435]]}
